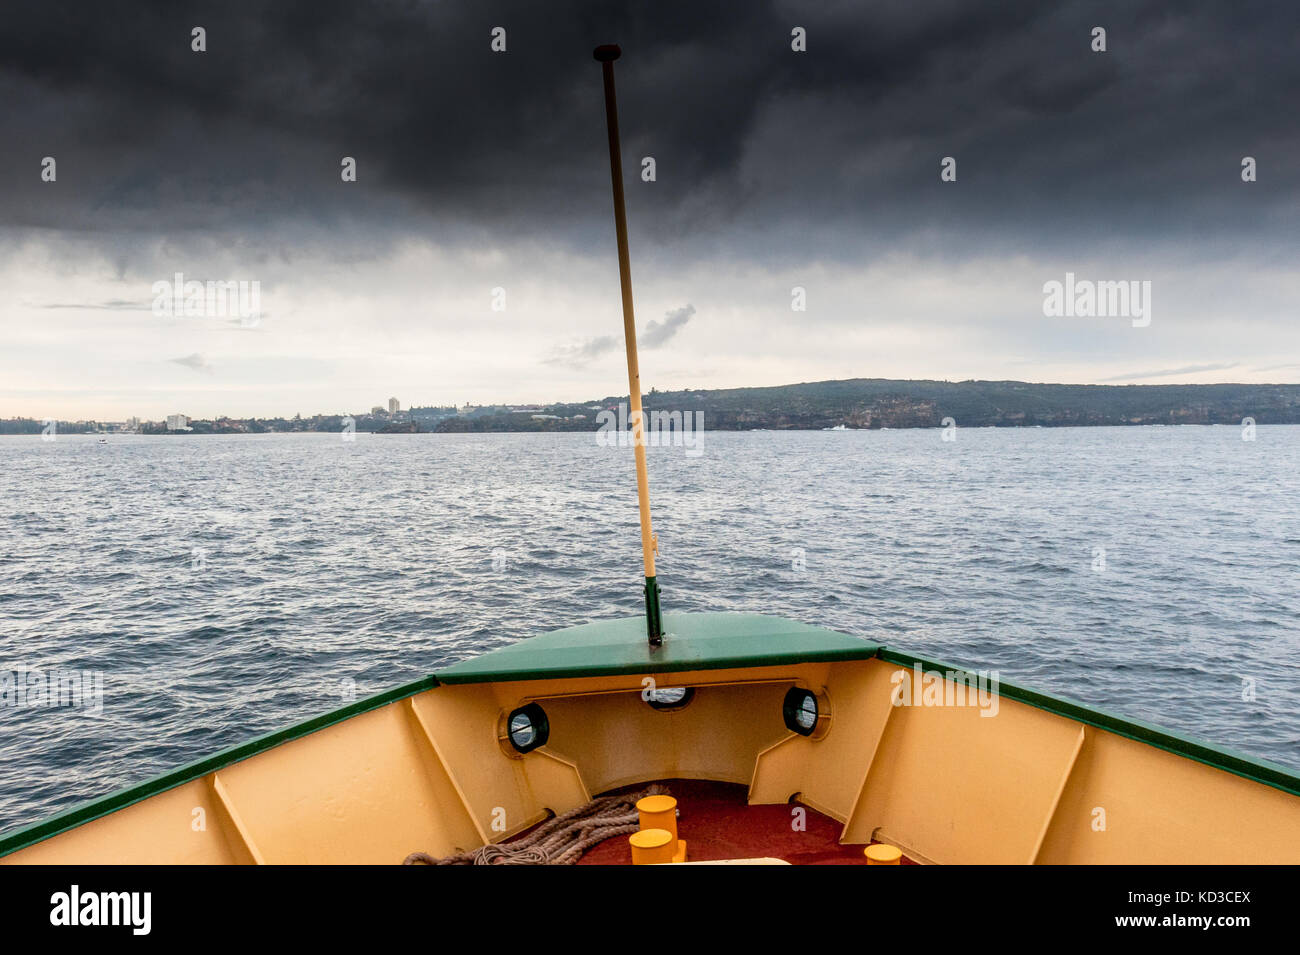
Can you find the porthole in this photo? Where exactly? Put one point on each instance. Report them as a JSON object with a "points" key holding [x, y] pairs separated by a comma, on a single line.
{"points": [[806, 713], [524, 730], [670, 697]]}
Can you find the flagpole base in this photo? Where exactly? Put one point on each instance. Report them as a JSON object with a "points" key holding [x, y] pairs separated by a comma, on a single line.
{"points": [[653, 619]]}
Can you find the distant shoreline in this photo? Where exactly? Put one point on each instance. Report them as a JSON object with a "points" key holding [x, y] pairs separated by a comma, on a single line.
{"points": [[455, 434], [860, 404]]}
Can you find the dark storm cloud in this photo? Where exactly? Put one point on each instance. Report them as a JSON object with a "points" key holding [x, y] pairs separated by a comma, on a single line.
{"points": [[833, 152]]}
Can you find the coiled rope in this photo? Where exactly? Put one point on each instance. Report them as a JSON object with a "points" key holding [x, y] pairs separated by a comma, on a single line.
{"points": [[558, 841]]}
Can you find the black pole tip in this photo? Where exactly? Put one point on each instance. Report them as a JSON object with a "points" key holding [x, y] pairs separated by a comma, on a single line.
{"points": [[607, 53]]}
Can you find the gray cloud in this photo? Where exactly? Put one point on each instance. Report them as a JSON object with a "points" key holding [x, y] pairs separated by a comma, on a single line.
{"points": [[580, 353], [1286, 366], [195, 362], [113, 305], [658, 332], [1173, 372]]}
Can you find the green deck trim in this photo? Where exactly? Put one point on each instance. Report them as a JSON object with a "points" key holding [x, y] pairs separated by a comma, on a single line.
{"points": [[1256, 770], [86, 812], [692, 641]]}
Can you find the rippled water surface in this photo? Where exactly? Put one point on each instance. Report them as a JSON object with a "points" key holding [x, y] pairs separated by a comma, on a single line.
{"points": [[227, 586]]}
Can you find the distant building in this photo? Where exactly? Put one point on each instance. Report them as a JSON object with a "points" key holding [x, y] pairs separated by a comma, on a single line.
{"points": [[393, 406], [377, 410], [178, 422]]}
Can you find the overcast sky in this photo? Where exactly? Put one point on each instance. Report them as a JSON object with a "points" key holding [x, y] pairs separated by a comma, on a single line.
{"points": [[479, 170]]}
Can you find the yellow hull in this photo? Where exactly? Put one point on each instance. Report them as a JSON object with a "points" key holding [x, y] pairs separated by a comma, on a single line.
{"points": [[946, 783]]}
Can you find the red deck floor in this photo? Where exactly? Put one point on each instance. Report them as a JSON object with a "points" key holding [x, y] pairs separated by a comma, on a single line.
{"points": [[716, 823]]}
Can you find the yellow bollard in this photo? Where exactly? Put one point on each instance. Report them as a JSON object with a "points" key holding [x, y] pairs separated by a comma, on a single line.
{"points": [[881, 854], [651, 847], [660, 812]]}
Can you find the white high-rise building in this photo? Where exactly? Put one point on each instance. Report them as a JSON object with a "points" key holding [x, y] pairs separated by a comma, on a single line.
{"points": [[177, 422], [393, 406]]}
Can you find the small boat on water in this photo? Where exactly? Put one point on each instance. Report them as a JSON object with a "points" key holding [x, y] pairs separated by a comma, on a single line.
{"points": [[742, 737]]}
